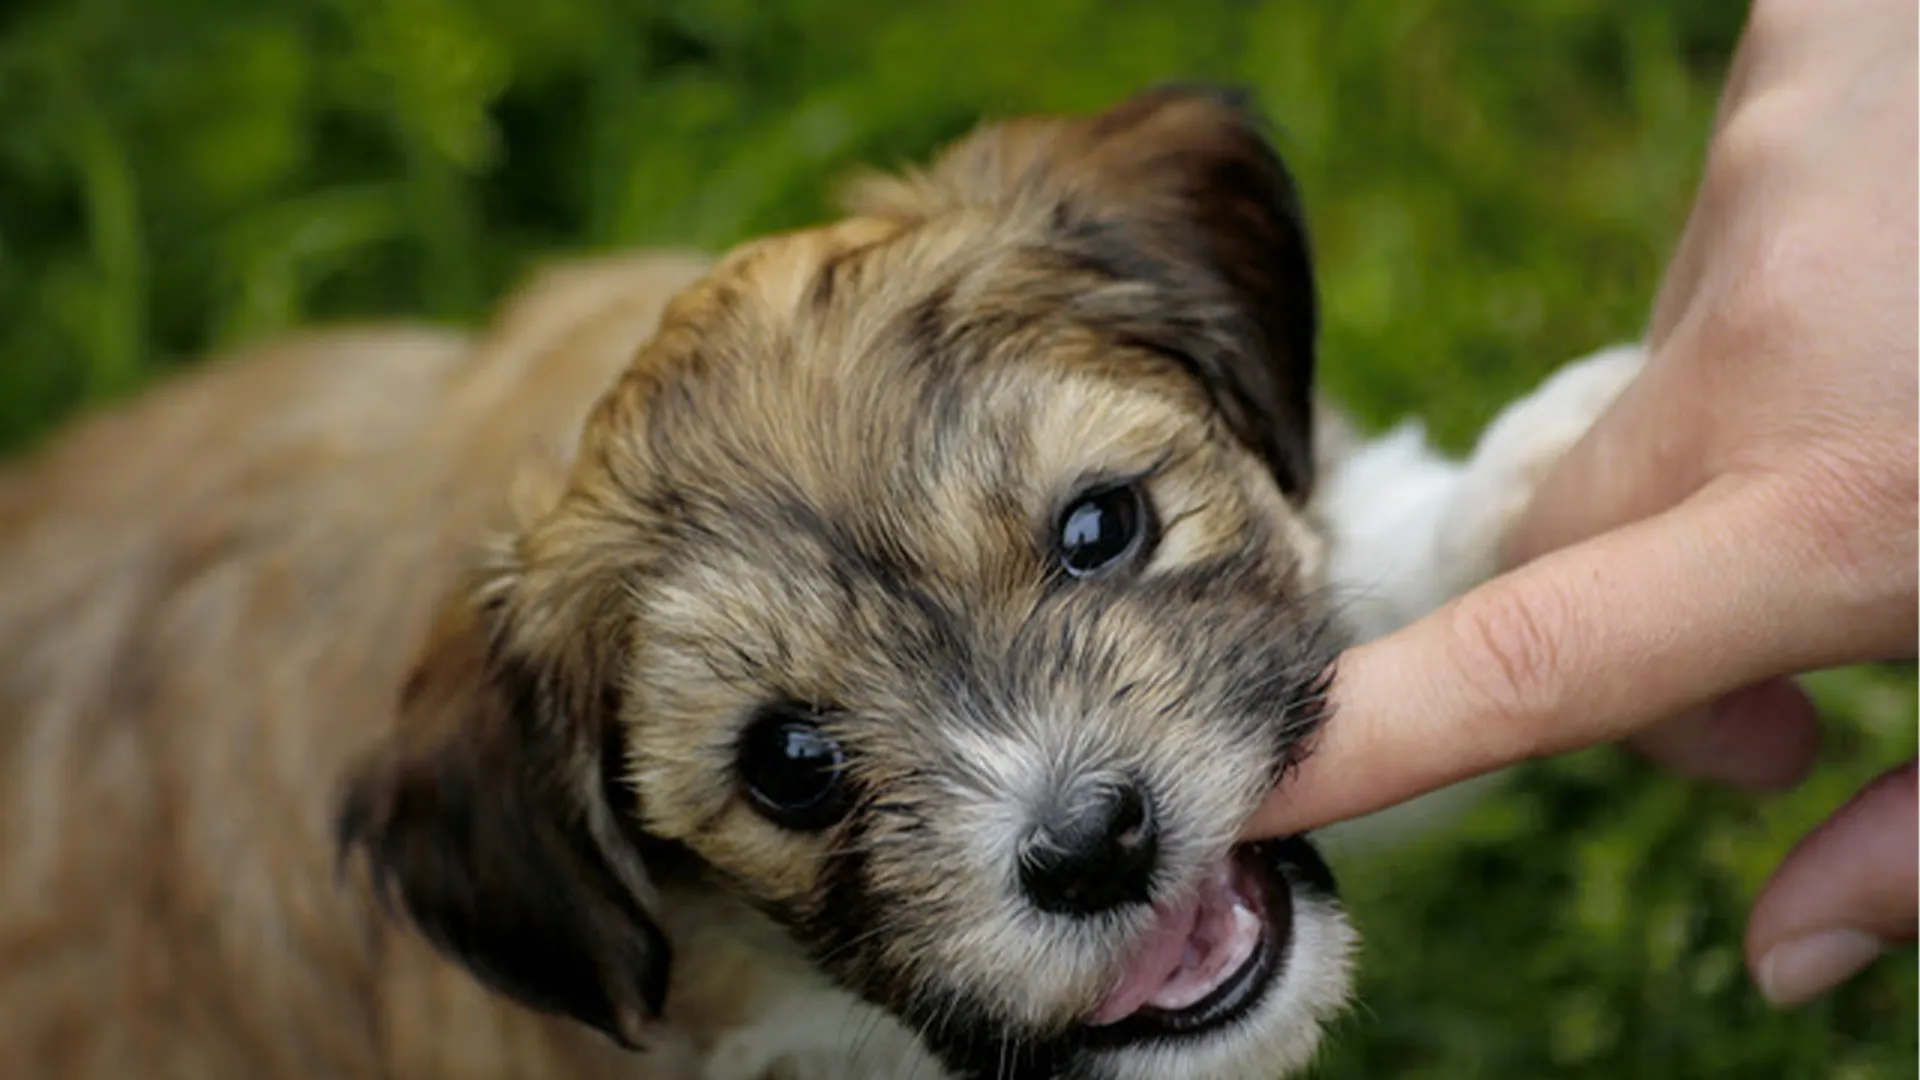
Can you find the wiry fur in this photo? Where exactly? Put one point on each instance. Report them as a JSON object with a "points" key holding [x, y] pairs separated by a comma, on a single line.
{"points": [[395, 622]]}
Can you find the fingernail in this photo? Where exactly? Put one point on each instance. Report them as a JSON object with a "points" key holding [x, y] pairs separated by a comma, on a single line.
{"points": [[1803, 968]]}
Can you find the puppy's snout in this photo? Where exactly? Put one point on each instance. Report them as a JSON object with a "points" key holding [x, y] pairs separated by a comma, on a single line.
{"points": [[1093, 852]]}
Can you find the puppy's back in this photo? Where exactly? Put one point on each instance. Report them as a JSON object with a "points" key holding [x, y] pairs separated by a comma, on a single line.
{"points": [[208, 599]]}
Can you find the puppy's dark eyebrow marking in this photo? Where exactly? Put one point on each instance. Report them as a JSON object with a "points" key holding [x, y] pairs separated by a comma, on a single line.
{"points": [[1097, 248], [942, 403], [925, 629], [849, 559], [827, 280], [944, 337], [926, 326]]}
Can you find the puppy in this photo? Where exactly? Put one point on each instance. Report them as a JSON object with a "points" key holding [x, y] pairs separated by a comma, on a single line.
{"points": [[854, 657]]}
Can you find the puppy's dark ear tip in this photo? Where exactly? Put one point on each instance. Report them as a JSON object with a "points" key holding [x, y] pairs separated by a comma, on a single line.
{"points": [[631, 1026], [655, 966], [628, 1028], [363, 813], [354, 818], [634, 973]]}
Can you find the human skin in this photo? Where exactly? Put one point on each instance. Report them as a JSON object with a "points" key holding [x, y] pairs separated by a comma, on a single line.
{"points": [[1745, 512]]}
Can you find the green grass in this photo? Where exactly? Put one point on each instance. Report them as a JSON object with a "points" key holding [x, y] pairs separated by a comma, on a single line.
{"points": [[1492, 189]]}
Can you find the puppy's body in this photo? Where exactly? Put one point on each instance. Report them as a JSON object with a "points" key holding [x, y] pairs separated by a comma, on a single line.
{"points": [[208, 603], [264, 604]]}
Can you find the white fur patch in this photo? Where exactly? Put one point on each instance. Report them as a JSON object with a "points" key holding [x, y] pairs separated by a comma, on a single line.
{"points": [[1410, 530], [820, 1033]]}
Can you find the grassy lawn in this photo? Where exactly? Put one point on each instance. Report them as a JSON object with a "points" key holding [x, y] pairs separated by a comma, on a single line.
{"points": [[1492, 189]]}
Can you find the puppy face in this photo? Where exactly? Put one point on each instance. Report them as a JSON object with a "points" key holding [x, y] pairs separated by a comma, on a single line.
{"points": [[935, 580]]}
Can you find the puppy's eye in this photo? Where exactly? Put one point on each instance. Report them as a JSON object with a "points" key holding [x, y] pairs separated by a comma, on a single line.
{"points": [[792, 770], [1102, 528]]}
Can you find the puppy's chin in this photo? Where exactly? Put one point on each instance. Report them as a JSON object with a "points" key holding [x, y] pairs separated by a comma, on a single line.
{"points": [[1234, 981]]}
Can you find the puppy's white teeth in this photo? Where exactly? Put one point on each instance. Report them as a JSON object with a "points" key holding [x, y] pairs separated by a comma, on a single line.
{"points": [[1223, 957]]}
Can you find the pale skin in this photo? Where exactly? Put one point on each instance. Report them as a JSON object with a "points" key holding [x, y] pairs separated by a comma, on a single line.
{"points": [[1745, 512]]}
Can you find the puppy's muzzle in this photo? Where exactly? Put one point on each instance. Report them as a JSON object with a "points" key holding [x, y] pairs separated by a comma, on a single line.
{"points": [[1212, 945]]}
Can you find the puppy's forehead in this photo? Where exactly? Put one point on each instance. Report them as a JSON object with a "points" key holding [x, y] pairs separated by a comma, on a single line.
{"points": [[842, 417], [878, 363]]}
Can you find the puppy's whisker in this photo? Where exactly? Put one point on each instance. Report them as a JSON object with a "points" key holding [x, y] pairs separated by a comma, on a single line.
{"points": [[853, 943], [863, 1022]]}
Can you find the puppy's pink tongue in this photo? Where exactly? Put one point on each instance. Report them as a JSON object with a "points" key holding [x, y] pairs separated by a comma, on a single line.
{"points": [[1192, 949]]}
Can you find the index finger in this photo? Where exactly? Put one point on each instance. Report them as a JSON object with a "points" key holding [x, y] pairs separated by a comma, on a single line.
{"points": [[1580, 647]]}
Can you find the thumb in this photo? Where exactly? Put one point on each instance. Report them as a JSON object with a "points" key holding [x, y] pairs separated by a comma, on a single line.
{"points": [[1582, 646], [1844, 895]]}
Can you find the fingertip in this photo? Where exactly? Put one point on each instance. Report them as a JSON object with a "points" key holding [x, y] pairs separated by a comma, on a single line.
{"points": [[1371, 751], [1305, 796], [1845, 894], [1584, 646], [1800, 969]]}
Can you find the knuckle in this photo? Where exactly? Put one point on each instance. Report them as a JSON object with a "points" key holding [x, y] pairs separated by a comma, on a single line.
{"points": [[1511, 647], [1750, 139], [1773, 271], [1793, 266], [1766, 297]]}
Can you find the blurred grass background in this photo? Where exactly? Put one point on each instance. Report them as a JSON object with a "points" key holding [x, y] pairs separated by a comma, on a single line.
{"points": [[1492, 188]]}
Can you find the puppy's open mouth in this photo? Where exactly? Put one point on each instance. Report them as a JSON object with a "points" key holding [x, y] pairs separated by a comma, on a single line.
{"points": [[1206, 961]]}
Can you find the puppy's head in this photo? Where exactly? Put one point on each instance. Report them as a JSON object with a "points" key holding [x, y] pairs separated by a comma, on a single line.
{"points": [[937, 580]]}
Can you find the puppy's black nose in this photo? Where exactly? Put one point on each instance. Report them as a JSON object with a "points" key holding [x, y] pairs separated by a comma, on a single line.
{"points": [[1094, 853]]}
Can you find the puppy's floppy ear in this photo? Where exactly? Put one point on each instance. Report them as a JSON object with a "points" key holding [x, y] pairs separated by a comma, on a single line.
{"points": [[486, 817], [1180, 188]]}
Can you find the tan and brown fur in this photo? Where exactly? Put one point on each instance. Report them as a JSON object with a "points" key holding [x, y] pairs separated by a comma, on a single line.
{"points": [[389, 621], [208, 602]]}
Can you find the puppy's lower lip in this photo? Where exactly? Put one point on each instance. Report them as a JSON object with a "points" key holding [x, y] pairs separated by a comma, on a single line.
{"points": [[1197, 962]]}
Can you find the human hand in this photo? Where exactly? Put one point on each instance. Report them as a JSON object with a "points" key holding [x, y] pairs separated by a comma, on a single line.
{"points": [[1745, 511]]}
